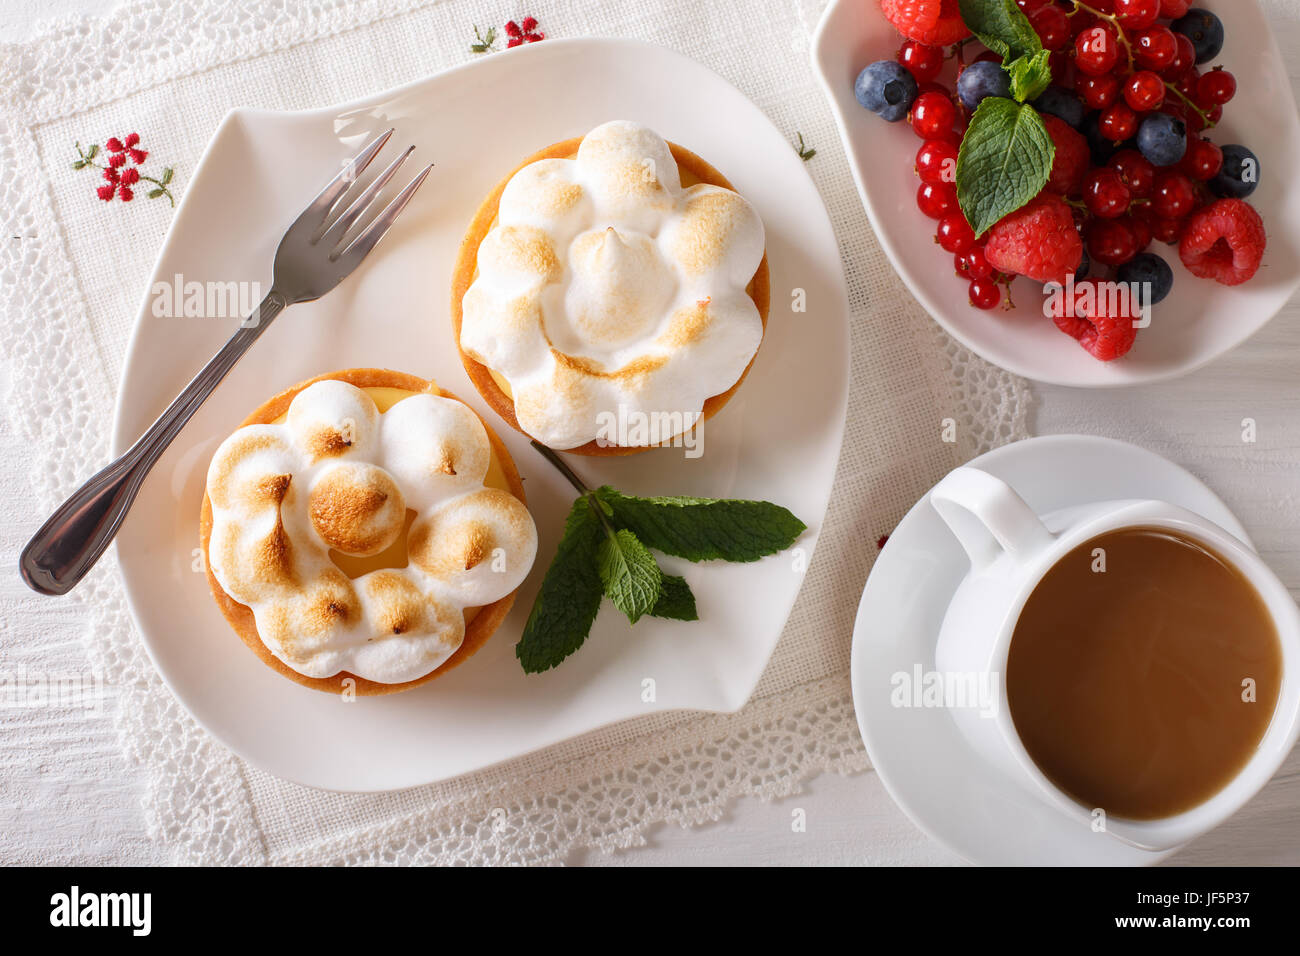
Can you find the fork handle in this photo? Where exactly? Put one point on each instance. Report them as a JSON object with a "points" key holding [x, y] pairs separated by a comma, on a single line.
{"points": [[81, 529]]}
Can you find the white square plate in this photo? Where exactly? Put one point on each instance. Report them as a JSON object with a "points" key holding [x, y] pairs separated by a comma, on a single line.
{"points": [[778, 440]]}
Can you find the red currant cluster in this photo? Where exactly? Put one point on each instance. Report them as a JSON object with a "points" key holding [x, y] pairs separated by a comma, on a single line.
{"points": [[1124, 65], [941, 124]]}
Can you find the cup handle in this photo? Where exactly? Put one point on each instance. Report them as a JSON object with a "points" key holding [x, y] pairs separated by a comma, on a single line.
{"points": [[988, 517]]}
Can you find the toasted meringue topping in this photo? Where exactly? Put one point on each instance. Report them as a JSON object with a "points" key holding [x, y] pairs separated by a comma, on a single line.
{"points": [[338, 475], [606, 287]]}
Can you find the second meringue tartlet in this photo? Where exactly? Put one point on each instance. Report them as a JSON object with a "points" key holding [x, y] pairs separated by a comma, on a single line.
{"points": [[612, 277], [365, 526]]}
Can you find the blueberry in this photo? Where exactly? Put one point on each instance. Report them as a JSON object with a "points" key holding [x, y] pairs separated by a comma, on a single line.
{"points": [[1085, 266], [1152, 274], [1061, 103], [1205, 30], [982, 78], [1239, 175], [887, 89], [1162, 139]]}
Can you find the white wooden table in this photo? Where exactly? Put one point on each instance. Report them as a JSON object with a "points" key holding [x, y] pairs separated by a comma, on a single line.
{"points": [[85, 807]]}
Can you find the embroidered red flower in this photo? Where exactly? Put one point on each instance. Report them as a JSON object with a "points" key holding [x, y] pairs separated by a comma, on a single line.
{"points": [[525, 31], [120, 169]]}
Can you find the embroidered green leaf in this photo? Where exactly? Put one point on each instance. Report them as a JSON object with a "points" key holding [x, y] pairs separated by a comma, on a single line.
{"points": [[629, 573], [569, 597], [675, 600], [79, 164], [1030, 75], [155, 193], [1004, 161], [485, 41], [92, 152], [701, 529], [1002, 27], [805, 152], [167, 175]]}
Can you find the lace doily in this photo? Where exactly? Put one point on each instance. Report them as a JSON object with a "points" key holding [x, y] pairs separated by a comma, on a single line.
{"points": [[70, 281]]}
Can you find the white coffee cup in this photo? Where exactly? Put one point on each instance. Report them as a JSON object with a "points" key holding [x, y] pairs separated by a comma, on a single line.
{"points": [[1011, 548]]}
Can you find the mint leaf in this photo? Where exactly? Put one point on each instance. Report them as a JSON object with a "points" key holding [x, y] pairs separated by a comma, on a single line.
{"points": [[675, 600], [569, 598], [1001, 27], [702, 529], [631, 577], [1030, 75], [1004, 161]]}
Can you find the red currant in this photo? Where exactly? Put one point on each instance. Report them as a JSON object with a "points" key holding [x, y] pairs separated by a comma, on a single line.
{"points": [[971, 264], [933, 116], [1184, 57], [985, 294], [1215, 88], [1202, 161], [1187, 83], [955, 234], [1052, 26], [936, 200], [1118, 122], [1137, 14], [1144, 91], [1167, 230], [1135, 171], [1105, 194], [1174, 196], [1141, 230], [1098, 92], [1155, 48], [1111, 241], [1029, 6], [936, 161], [924, 62], [1096, 50]]}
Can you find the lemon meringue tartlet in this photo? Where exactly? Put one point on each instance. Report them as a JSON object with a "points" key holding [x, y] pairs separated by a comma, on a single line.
{"points": [[611, 277], [365, 530]]}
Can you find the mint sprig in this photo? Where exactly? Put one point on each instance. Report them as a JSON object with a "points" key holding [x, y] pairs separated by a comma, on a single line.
{"points": [[704, 529], [1004, 161], [1030, 75], [627, 569], [605, 551], [1002, 27], [569, 598]]}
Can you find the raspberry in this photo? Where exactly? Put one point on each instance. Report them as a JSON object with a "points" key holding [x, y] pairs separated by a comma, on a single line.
{"points": [[1101, 318], [1072, 157], [1038, 240], [932, 22], [1224, 242]]}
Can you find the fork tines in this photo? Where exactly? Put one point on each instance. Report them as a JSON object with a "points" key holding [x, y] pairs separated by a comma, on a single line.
{"points": [[336, 196]]}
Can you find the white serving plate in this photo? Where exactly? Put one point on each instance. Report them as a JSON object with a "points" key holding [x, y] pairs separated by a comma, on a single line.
{"points": [[1200, 320], [259, 171]]}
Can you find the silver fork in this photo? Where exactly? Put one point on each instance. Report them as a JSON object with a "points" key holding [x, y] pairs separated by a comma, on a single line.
{"points": [[311, 260]]}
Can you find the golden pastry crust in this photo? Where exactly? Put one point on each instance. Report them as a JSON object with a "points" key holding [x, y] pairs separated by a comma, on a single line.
{"points": [[477, 631], [466, 267]]}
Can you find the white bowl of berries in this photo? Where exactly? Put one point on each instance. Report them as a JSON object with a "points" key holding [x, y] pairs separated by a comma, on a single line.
{"points": [[1085, 193]]}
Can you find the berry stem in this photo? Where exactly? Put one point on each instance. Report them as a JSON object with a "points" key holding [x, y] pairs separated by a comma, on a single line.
{"points": [[1205, 117], [1113, 21]]}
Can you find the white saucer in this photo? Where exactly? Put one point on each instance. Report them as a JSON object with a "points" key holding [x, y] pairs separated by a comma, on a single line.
{"points": [[920, 755]]}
